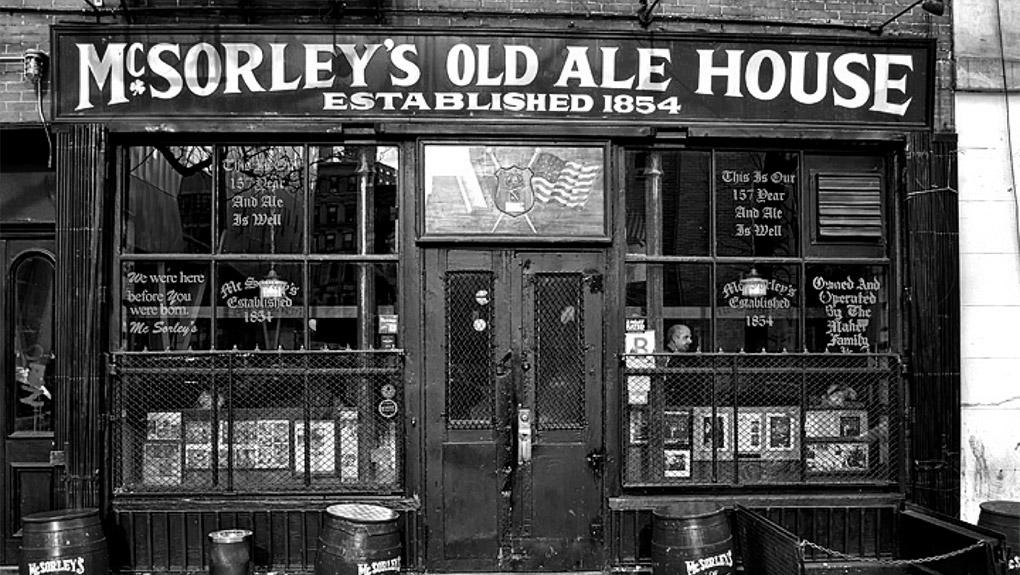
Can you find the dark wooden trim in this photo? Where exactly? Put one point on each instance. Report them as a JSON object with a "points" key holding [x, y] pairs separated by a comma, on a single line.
{"points": [[800, 499], [27, 230]]}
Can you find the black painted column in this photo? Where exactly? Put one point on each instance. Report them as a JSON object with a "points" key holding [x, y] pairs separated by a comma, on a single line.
{"points": [[81, 181], [932, 265]]}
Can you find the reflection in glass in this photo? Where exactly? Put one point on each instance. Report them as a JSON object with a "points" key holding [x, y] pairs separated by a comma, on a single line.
{"points": [[756, 203], [168, 202], [247, 319], [514, 190], [338, 174], [755, 324], [847, 309], [261, 205], [165, 305], [636, 198], [334, 320], [33, 344]]}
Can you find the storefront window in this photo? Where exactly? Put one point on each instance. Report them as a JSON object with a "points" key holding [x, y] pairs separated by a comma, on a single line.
{"points": [[259, 338], [774, 360], [260, 201]]}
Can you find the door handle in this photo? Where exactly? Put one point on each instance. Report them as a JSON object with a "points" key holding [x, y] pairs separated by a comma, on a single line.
{"points": [[523, 435]]}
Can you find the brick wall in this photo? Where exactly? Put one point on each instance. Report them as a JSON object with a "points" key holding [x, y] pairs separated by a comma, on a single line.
{"points": [[25, 24]]}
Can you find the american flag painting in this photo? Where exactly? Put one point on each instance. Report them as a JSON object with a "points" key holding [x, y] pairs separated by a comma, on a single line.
{"points": [[563, 181]]}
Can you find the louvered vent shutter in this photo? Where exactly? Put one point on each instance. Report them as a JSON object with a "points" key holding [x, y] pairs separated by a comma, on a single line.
{"points": [[849, 206]]}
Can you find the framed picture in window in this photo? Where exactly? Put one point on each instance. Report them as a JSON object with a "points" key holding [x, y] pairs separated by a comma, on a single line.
{"points": [[274, 444], [197, 456], [712, 432], [750, 434], [677, 463], [638, 426], [832, 423], [837, 457], [321, 447], [676, 428], [163, 425], [161, 463], [780, 432]]}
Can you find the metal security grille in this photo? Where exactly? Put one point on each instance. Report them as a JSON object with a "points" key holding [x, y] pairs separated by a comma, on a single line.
{"points": [[257, 421], [470, 399], [559, 350], [761, 419]]}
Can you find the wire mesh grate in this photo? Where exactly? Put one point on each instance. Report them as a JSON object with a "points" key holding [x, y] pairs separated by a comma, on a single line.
{"points": [[560, 348], [761, 419], [257, 421], [470, 399]]}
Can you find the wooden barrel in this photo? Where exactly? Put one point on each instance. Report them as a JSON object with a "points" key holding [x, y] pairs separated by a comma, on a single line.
{"points": [[693, 538], [230, 552], [67, 541], [1004, 517], [358, 539]]}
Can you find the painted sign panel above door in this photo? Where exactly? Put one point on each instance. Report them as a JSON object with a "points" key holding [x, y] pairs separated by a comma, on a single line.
{"points": [[343, 74]]}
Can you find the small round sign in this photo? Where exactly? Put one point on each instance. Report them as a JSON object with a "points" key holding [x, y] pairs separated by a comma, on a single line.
{"points": [[480, 324], [389, 391], [388, 408], [482, 296]]}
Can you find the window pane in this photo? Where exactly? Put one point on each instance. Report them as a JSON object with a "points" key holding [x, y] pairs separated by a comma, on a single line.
{"points": [[683, 178], [685, 203], [250, 314], [523, 191], [847, 309], [756, 323], [756, 203], [168, 202], [262, 200], [334, 316], [165, 305], [33, 345], [687, 300], [636, 196], [337, 173]]}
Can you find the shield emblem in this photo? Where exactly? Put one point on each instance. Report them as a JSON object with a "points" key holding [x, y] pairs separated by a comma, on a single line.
{"points": [[514, 195]]}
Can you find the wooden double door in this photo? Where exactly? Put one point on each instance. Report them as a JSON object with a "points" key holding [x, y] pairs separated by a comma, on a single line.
{"points": [[514, 404]]}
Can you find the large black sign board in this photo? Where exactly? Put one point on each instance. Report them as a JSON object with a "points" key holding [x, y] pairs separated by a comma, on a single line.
{"points": [[129, 73]]}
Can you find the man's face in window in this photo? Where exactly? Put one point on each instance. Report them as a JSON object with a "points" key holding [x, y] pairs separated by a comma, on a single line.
{"points": [[681, 339]]}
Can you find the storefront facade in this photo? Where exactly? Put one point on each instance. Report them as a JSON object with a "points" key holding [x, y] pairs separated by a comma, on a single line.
{"points": [[439, 271]]}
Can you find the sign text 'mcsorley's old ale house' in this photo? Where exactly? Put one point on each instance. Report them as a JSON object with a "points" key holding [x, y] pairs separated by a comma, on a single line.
{"points": [[522, 285]]}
